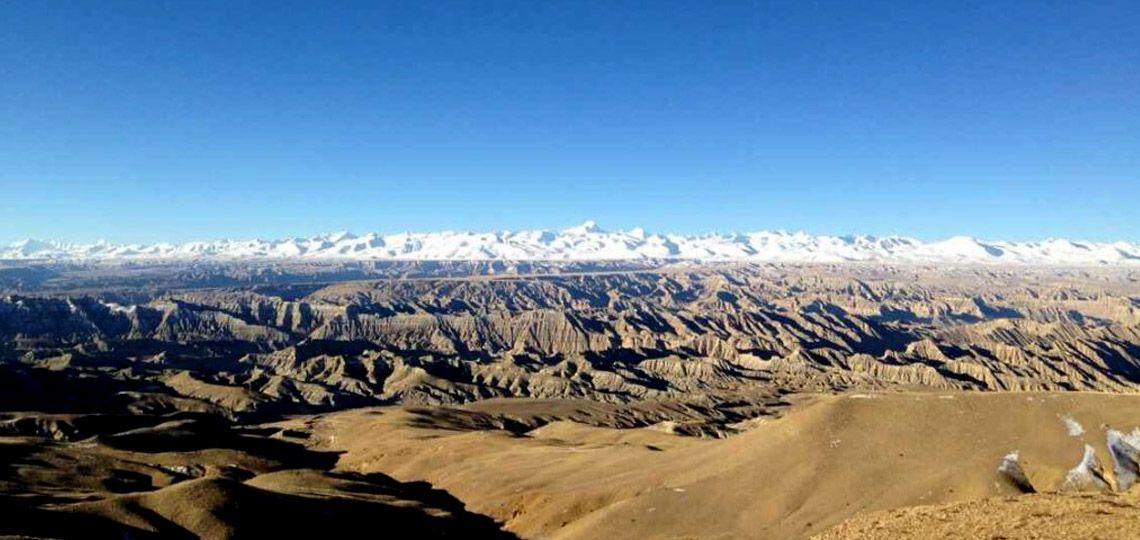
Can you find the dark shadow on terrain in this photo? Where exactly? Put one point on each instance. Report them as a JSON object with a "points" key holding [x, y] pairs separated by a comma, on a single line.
{"points": [[211, 432], [345, 506], [24, 388]]}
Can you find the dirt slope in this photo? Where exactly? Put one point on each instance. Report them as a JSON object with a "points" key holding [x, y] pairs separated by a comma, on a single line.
{"points": [[1027, 517], [783, 479], [197, 479]]}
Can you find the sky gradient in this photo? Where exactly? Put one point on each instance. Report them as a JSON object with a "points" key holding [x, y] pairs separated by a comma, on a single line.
{"points": [[175, 121]]}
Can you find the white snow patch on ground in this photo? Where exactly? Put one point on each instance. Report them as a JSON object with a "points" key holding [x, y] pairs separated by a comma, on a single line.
{"points": [[1074, 428], [1009, 461], [1086, 476], [1132, 437], [1125, 451], [1011, 468]]}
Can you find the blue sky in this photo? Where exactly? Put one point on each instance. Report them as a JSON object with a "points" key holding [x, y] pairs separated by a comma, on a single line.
{"points": [[150, 121]]}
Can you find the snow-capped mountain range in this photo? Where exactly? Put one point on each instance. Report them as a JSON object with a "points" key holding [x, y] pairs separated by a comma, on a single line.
{"points": [[589, 242]]}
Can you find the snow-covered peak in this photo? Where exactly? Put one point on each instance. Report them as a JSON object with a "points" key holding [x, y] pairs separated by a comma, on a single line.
{"points": [[339, 236], [588, 241], [588, 226]]}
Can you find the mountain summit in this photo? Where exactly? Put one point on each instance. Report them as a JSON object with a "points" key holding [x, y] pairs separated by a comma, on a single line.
{"points": [[588, 226]]}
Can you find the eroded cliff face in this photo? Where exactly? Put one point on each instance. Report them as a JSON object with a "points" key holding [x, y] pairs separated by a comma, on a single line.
{"points": [[712, 335]]}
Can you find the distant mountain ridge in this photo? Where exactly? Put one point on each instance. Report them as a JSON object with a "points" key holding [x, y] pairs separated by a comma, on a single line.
{"points": [[590, 242]]}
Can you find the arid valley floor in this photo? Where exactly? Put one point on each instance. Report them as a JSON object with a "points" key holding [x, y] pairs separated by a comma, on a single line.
{"points": [[569, 401]]}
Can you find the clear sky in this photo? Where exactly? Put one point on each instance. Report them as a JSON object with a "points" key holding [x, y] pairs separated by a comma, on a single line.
{"points": [[155, 120]]}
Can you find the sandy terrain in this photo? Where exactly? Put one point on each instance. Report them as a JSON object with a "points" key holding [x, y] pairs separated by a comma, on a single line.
{"points": [[523, 464], [1026, 517], [184, 480], [782, 479], [766, 402]]}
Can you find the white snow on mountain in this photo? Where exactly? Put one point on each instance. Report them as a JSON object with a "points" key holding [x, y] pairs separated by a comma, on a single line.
{"points": [[590, 242]]}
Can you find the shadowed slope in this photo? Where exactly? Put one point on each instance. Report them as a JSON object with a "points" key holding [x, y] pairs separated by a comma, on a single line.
{"points": [[288, 504]]}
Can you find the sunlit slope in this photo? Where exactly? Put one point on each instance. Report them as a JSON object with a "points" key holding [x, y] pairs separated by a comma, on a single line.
{"points": [[784, 478], [1027, 517]]}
